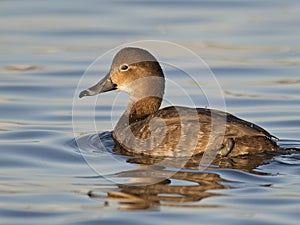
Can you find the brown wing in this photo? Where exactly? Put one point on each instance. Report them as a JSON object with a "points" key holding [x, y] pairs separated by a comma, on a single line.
{"points": [[237, 126], [176, 131]]}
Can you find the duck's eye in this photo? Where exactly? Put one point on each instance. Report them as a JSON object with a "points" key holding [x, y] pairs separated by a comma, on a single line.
{"points": [[124, 67]]}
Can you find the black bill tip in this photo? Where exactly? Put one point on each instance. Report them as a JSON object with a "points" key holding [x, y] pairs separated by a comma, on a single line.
{"points": [[84, 93]]}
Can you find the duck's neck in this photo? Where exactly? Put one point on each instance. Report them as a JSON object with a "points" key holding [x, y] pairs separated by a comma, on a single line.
{"points": [[139, 110], [136, 111], [145, 98]]}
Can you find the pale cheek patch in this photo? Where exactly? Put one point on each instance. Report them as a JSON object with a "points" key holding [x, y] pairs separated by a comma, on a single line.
{"points": [[125, 88]]}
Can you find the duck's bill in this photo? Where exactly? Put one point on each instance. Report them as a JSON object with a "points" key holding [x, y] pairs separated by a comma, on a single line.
{"points": [[103, 85]]}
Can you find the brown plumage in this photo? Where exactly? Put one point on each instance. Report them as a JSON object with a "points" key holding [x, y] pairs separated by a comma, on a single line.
{"points": [[172, 131]]}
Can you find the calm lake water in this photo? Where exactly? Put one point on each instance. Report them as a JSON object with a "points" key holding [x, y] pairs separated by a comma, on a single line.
{"points": [[252, 48]]}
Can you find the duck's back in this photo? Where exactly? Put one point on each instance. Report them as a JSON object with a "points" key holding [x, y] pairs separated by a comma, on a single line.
{"points": [[182, 131]]}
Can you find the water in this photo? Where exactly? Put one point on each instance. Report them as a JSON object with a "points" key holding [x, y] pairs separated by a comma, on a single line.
{"points": [[252, 48]]}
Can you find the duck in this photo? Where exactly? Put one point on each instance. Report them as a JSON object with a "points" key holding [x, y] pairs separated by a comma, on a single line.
{"points": [[173, 131]]}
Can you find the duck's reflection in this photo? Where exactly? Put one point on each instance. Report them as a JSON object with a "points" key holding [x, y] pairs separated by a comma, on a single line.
{"points": [[166, 193], [151, 184]]}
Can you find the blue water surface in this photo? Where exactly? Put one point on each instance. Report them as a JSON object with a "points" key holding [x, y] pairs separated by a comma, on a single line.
{"points": [[251, 47]]}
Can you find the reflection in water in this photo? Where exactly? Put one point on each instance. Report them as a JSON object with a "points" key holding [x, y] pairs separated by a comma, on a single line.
{"points": [[172, 182], [236, 94], [22, 68], [151, 185], [288, 81], [182, 187], [193, 188]]}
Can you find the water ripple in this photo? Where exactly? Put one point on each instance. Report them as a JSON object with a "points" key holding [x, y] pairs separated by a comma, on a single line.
{"points": [[93, 144], [293, 159]]}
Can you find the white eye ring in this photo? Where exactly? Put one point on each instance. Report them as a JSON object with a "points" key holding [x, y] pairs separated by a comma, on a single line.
{"points": [[124, 67]]}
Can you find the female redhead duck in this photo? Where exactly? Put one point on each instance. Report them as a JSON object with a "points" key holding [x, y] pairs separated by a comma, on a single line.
{"points": [[172, 131]]}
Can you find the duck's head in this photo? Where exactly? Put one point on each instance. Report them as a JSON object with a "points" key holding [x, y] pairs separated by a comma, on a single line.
{"points": [[134, 71]]}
